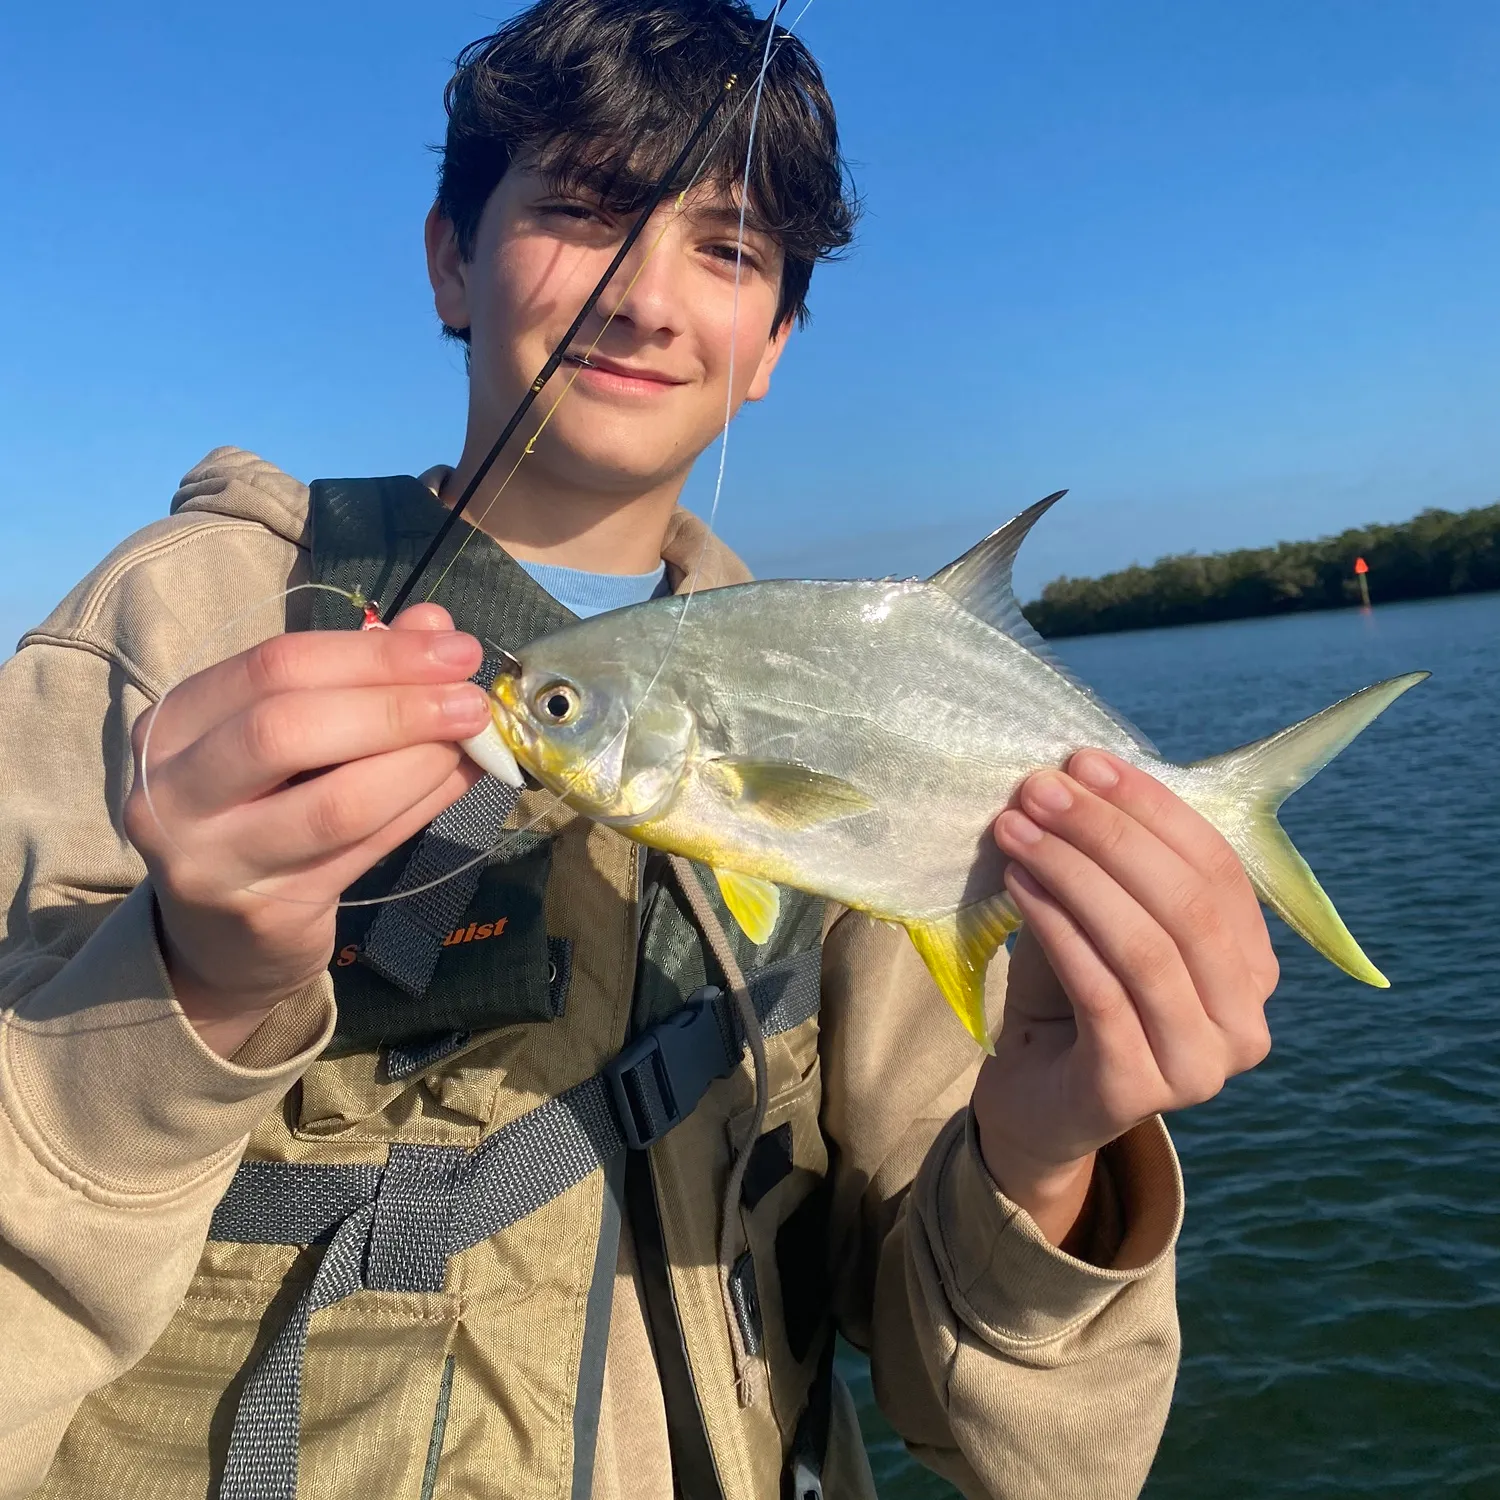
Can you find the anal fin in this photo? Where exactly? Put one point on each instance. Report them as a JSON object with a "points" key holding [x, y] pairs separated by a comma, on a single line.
{"points": [[754, 903], [957, 950]]}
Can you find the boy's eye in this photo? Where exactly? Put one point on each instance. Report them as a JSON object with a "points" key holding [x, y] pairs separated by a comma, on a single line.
{"points": [[578, 213], [730, 253]]}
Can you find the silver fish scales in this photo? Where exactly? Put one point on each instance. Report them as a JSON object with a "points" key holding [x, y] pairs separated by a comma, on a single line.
{"points": [[856, 739]]}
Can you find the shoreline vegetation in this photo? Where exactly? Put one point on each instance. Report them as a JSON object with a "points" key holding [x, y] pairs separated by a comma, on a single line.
{"points": [[1436, 553]]}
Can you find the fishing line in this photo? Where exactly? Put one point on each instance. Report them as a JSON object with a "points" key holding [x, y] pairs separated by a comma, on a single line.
{"points": [[358, 600], [559, 353], [734, 322], [559, 797], [372, 615], [779, 40], [772, 44]]}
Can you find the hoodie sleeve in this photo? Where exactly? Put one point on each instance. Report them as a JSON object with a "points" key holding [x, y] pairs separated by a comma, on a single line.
{"points": [[1016, 1371], [119, 1129]]}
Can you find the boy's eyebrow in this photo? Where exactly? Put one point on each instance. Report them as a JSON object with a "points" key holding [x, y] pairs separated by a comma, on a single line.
{"points": [[613, 187], [727, 216]]}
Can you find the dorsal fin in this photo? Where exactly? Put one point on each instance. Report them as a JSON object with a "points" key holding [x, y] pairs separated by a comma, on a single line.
{"points": [[980, 581]]}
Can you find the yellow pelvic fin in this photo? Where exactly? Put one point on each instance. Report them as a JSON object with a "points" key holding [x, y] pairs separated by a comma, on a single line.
{"points": [[782, 792], [957, 951], [754, 903]]}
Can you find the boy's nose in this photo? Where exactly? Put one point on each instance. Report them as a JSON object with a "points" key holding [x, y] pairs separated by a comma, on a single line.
{"points": [[645, 291]]}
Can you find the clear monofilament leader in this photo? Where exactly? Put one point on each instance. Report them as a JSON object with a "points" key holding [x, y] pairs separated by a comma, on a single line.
{"points": [[240, 630]]}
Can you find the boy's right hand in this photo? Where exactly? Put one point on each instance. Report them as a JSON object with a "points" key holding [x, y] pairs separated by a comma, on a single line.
{"points": [[279, 777]]}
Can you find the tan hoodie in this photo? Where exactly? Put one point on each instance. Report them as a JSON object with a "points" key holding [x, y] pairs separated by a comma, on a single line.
{"points": [[1007, 1365]]}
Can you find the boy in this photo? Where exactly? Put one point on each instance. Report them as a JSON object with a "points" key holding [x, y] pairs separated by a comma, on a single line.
{"points": [[513, 1216]]}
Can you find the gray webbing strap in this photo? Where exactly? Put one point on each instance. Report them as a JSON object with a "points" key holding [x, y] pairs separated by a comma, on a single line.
{"points": [[406, 936], [533, 1160], [263, 1466], [785, 994], [393, 1228], [307, 1200]]}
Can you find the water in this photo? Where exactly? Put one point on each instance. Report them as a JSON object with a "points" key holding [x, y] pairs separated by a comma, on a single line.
{"points": [[1340, 1267]]}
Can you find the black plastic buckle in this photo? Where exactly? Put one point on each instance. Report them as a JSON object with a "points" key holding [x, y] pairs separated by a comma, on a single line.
{"points": [[676, 1060]]}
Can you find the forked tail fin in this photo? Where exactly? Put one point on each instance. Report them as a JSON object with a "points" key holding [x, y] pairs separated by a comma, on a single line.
{"points": [[1248, 785]]}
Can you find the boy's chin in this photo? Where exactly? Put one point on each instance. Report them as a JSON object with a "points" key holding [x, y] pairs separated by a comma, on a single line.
{"points": [[621, 472], [618, 462]]}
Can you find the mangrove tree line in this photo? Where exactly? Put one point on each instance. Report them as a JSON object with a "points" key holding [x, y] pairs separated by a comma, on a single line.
{"points": [[1435, 553]]}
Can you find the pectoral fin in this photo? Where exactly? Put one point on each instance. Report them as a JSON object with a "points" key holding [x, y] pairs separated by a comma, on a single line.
{"points": [[957, 951], [782, 792], [754, 903]]}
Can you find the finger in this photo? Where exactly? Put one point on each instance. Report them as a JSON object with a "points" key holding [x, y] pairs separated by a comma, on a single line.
{"points": [[1185, 831], [304, 661], [351, 808], [349, 867], [1108, 1023], [261, 869], [257, 750], [423, 617], [1135, 948], [1196, 914]]}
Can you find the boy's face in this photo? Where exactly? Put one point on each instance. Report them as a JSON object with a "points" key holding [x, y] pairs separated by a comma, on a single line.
{"points": [[657, 396]]}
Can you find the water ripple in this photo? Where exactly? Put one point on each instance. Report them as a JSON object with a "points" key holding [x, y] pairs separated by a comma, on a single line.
{"points": [[1340, 1268]]}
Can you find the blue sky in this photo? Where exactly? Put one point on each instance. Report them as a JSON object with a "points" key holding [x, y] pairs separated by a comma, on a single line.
{"points": [[1230, 272]]}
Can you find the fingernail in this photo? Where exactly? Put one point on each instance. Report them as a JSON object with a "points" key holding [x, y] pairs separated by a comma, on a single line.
{"points": [[463, 703], [1019, 877], [1047, 791], [1017, 827], [1094, 770], [453, 648]]}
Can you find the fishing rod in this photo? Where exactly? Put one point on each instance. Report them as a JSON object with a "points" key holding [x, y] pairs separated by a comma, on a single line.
{"points": [[554, 360]]}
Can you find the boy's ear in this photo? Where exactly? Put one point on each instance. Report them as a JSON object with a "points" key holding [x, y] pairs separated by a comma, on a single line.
{"points": [[761, 383], [446, 269]]}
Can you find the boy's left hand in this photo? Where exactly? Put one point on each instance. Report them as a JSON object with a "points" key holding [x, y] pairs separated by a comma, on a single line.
{"points": [[1138, 984]]}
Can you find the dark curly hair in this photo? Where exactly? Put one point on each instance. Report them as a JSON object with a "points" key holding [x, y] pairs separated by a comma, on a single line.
{"points": [[603, 94]]}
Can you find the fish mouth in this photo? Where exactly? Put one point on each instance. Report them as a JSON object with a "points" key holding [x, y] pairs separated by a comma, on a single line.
{"points": [[520, 739], [576, 781], [565, 777]]}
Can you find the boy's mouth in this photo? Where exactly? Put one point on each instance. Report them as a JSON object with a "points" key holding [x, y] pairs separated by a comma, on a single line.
{"points": [[613, 374]]}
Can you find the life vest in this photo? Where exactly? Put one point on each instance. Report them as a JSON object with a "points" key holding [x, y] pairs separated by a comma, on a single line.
{"points": [[407, 1288]]}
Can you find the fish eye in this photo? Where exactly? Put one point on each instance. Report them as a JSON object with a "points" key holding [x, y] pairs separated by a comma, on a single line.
{"points": [[557, 702]]}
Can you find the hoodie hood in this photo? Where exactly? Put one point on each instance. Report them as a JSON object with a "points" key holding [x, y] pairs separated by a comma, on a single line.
{"points": [[235, 482]]}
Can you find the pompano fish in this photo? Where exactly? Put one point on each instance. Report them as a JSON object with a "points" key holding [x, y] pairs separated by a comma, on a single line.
{"points": [[856, 740]]}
